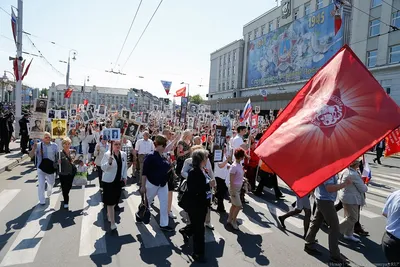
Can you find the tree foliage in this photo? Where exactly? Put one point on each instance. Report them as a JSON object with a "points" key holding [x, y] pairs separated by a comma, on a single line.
{"points": [[196, 99]]}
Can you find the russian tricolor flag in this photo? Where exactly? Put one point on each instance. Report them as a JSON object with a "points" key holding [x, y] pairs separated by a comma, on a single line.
{"points": [[247, 111], [14, 25], [366, 174]]}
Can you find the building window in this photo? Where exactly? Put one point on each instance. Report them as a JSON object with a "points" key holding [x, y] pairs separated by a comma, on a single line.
{"points": [[307, 9], [229, 71], [219, 87], [278, 22], [229, 58], [233, 70], [371, 58], [374, 27], [270, 26], [263, 30], [249, 36], [234, 55], [320, 4], [233, 84], [220, 73], [220, 61], [394, 54], [375, 3], [295, 14], [387, 84], [255, 33], [223, 86], [224, 59], [396, 19]]}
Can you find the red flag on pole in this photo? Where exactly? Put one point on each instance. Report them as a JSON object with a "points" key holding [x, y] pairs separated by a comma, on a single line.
{"points": [[68, 93], [14, 25], [336, 117], [27, 69], [86, 102], [181, 92], [392, 143]]}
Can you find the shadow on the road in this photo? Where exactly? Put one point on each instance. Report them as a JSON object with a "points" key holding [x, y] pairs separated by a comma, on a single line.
{"points": [[63, 217], [14, 178], [4, 239], [251, 246], [19, 222]]}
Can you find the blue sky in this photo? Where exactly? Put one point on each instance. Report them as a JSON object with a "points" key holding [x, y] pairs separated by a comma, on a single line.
{"points": [[175, 47]]}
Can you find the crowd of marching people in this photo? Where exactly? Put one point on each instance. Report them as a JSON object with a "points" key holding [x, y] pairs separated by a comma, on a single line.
{"points": [[168, 163]]}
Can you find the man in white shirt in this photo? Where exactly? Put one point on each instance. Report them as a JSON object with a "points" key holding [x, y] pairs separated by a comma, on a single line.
{"points": [[238, 142], [143, 148]]}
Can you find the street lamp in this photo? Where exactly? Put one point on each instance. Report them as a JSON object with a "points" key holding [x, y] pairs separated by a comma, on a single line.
{"points": [[30, 98], [9, 90], [68, 70], [187, 88]]}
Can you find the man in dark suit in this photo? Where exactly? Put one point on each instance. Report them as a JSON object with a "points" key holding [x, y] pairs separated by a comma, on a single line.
{"points": [[380, 148], [23, 132]]}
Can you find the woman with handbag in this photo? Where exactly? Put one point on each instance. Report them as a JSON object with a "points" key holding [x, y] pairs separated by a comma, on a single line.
{"points": [[100, 150], [67, 170], [114, 166], [45, 153], [198, 196]]}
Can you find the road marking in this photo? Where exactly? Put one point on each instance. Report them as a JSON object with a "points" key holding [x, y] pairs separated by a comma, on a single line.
{"points": [[6, 196], [27, 243], [375, 203], [93, 239], [275, 210], [378, 192], [369, 214], [151, 234], [210, 235], [385, 180]]}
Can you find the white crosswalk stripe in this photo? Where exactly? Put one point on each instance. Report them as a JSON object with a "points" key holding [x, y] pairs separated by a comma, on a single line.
{"points": [[91, 233], [6, 196], [26, 245]]}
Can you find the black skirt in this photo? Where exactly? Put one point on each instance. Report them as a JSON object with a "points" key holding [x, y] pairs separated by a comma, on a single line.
{"points": [[112, 192]]}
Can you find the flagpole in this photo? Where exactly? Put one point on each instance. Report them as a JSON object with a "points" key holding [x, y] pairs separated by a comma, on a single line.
{"points": [[18, 87]]}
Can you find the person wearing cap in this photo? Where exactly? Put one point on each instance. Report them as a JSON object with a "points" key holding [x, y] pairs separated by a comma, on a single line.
{"points": [[24, 133]]}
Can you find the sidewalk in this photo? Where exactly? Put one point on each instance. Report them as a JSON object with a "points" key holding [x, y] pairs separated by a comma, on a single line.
{"points": [[10, 161]]}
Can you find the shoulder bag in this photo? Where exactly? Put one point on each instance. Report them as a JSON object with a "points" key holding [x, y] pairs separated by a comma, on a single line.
{"points": [[47, 165], [143, 213]]}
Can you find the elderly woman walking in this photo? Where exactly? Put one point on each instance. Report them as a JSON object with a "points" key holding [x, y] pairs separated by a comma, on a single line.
{"points": [[114, 166], [353, 198], [67, 170]]}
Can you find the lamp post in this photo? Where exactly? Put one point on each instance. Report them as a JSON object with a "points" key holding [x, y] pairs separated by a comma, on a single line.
{"points": [[187, 88], [9, 90], [4, 80], [68, 71], [30, 98]]}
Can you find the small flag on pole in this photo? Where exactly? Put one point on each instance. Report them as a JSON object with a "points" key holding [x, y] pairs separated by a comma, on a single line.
{"points": [[248, 109], [181, 92], [68, 93], [14, 25], [167, 86], [366, 174]]}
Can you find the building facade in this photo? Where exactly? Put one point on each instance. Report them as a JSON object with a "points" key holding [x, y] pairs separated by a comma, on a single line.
{"points": [[285, 46], [120, 98]]}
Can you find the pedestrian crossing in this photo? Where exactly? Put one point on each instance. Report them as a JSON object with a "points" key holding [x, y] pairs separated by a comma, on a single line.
{"points": [[94, 227]]}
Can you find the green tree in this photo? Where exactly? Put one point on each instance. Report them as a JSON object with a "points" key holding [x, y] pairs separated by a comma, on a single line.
{"points": [[196, 99], [44, 91]]}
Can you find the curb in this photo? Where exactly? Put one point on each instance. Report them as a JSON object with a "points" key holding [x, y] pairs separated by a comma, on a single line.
{"points": [[14, 163]]}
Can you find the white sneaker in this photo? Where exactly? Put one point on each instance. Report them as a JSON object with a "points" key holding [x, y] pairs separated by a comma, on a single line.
{"points": [[172, 215], [66, 206], [351, 238]]}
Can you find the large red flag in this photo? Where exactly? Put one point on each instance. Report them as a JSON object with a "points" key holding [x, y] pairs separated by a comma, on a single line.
{"points": [[181, 92], [392, 143], [339, 114]]}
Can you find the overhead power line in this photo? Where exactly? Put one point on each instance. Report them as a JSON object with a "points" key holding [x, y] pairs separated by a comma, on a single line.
{"points": [[129, 31], [123, 66], [390, 5], [393, 27]]}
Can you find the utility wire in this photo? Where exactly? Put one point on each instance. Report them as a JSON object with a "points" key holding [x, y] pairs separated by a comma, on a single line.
{"points": [[44, 58], [142, 34], [394, 28], [390, 5], [5, 11], [127, 35]]}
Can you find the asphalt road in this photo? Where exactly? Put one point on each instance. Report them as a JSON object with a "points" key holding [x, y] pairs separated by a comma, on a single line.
{"points": [[31, 235]]}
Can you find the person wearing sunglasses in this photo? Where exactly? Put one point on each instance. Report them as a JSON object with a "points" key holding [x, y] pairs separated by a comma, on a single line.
{"points": [[114, 166]]}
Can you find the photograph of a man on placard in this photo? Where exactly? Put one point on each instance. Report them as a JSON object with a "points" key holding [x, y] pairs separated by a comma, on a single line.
{"points": [[193, 108], [73, 112], [41, 106], [90, 115], [118, 123], [102, 111], [91, 107], [64, 114], [107, 134], [145, 118], [59, 128], [115, 134], [131, 130], [51, 114]]}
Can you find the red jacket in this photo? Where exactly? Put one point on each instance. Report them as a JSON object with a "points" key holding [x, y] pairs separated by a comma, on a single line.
{"points": [[254, 159]]}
